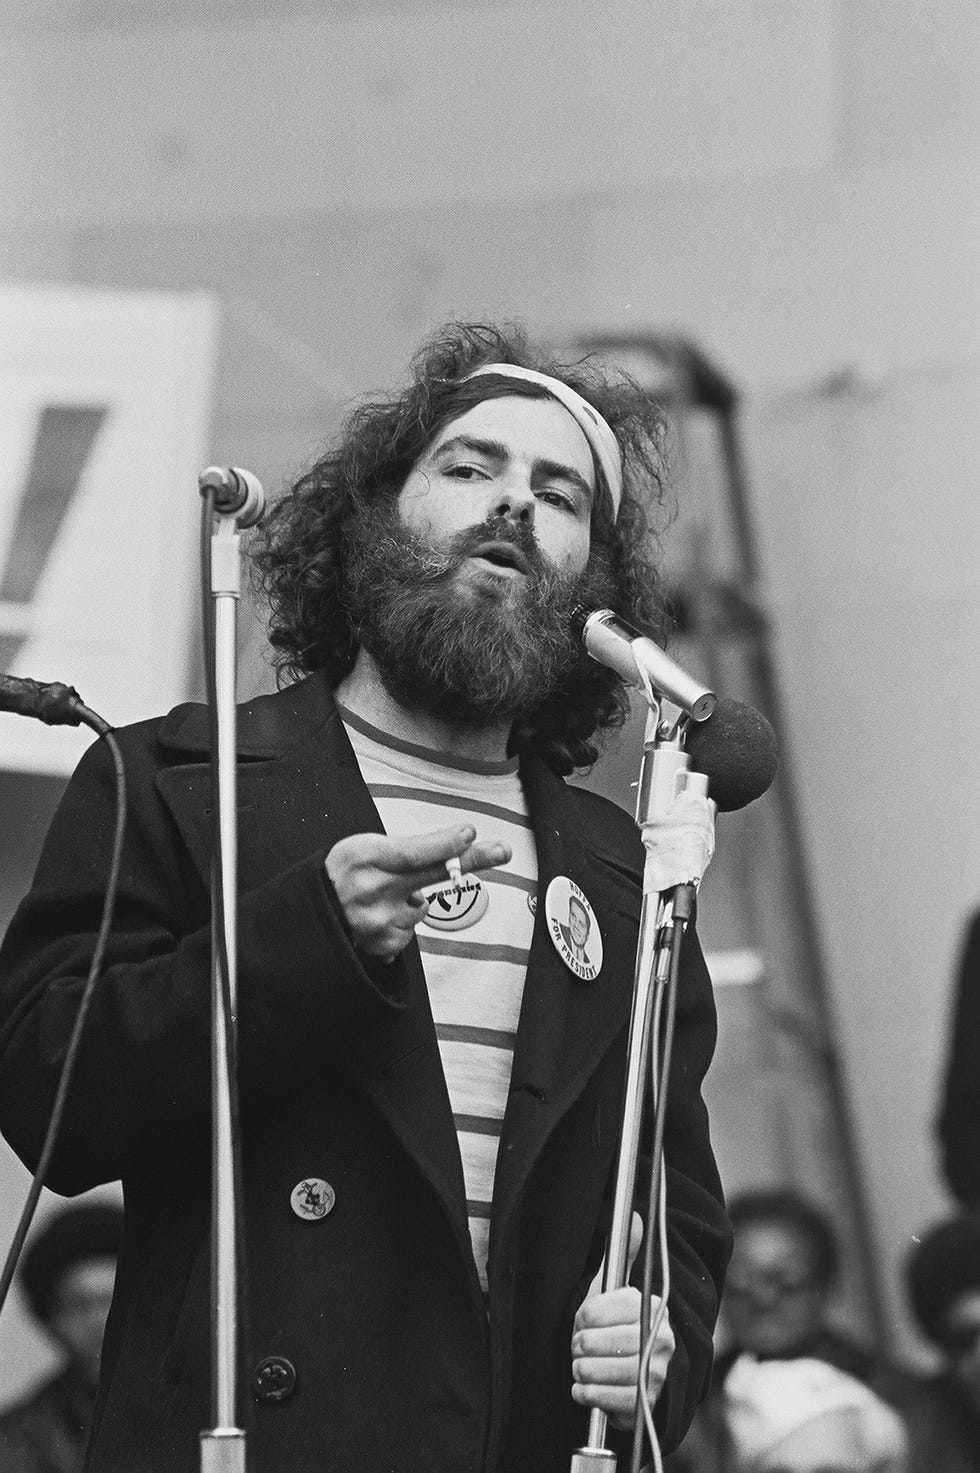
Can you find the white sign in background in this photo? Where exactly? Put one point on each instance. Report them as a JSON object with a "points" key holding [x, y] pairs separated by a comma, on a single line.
{"points": [[104, 409]]}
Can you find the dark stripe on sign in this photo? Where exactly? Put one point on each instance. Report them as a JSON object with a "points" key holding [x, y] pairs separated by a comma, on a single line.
{"points": [[65, 435]]}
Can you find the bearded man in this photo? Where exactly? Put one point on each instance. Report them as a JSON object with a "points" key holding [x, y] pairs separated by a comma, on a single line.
{"points": [[430, 1089]]}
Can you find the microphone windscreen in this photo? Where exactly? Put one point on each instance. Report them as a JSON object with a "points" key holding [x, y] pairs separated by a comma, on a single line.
{"points": [[736, 749]]}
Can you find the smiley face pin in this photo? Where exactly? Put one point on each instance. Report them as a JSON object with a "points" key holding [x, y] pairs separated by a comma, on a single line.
{"points": [[455, 907], [573, 928]]}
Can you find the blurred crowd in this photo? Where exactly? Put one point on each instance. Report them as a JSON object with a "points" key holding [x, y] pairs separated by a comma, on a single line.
{"points": [[66, 1277], [791, 1393]]}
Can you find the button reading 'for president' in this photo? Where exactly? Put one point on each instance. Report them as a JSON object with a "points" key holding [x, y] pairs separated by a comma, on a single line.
{"points": [[312, 1199]]}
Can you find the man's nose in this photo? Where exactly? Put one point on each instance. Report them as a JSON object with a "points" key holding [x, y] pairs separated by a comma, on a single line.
{"points": [[515, 500]]}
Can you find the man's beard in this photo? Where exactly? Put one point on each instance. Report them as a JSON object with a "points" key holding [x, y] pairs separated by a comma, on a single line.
{"points": [[473, 652]]}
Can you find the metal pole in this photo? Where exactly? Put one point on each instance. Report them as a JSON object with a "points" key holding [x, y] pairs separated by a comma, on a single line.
{"points": [[223, 1445]]}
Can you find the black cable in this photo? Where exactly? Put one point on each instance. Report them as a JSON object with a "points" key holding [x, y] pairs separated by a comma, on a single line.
{"points": [[660, 1061], [71, 1053]]}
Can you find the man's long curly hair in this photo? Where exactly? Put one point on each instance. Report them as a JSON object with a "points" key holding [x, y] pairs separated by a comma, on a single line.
{"points": [[299, 553]]}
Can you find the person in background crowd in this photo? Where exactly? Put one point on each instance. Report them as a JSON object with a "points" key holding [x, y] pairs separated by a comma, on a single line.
{"points": [[806, 1416], [783, 1273], [430, 1081], [959, 1118], [780, 1281], [66, 1275], [943, 1411]]}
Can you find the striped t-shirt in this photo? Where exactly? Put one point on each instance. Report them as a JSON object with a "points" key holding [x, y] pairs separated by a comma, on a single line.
{"points": [[474, 940]]}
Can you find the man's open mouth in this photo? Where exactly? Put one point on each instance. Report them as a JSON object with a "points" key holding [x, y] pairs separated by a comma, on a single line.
{"points": [[502, 555]]}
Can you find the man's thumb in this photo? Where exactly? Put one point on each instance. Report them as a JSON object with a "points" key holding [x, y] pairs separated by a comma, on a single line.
{"points": [[636, 1239]]}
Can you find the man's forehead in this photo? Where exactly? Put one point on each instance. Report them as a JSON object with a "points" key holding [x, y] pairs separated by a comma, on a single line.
{"points": [[539, 429]]}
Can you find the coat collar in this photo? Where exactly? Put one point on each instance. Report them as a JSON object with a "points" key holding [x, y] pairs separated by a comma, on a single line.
{"points": [[267, 726]]}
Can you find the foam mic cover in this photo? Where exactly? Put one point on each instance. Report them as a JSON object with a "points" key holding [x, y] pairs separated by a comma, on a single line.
{"points": [[55, 704], [736, 749]]}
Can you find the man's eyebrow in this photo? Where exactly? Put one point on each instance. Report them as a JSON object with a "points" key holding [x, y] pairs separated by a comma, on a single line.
{"points": [[492, 449], [557, 470], [497, 451]]}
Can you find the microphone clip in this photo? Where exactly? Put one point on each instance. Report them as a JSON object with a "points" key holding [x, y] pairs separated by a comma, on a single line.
{"points": [[234, 493]]}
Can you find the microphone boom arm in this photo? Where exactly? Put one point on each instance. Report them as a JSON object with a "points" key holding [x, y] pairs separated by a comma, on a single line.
{"points": [[641, 663]]}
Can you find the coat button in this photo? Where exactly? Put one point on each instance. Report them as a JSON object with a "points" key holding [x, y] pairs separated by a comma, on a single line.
{"points": [[274, 1379], [312, 1199]]}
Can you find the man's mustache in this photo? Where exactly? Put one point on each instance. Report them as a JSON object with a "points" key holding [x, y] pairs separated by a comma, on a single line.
{"points": [[438, 562], [497, 529]]}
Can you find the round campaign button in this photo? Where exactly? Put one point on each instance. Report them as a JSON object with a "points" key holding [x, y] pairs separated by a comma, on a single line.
{"points": [[312, 1199], [455, 907], [573, 928]]}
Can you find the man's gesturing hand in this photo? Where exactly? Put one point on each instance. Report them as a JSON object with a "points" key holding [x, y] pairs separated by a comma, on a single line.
{"points": [[606, 1346], [378, 881]]}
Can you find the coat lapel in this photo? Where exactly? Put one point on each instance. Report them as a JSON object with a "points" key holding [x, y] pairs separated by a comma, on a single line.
{"points": [[566, 1024], [300, 790]]}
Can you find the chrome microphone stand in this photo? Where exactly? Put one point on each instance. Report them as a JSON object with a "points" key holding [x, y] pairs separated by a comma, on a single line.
{"points": [[237, 501], [664, 772]]}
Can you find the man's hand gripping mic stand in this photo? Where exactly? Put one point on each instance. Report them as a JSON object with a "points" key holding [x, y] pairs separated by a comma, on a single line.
{"points": [[236, 500], [663, 774]]}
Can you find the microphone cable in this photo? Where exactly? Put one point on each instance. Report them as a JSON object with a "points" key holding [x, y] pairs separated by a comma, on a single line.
{"points": [[655, 1238], [92, 719]]}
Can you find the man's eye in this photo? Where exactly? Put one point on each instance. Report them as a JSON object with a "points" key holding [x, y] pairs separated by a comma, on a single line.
{"points": [[557, 498], [466, 472]]}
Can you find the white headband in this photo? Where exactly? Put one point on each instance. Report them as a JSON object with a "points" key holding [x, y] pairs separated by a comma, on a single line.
{"points": [[605, 446]]}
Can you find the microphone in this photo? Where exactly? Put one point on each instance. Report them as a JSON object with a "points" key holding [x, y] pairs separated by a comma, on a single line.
{"points": [[236, 492], [637, 660], [55, 704], [737, 751], [731, 743]]}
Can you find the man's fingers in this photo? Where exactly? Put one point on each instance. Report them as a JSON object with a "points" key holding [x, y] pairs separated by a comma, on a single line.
{"points": [[606, 1370], [381, 882], [419, 861], [485, 855], [617, 1307], [477, 857], [614, 1339], [426, 851]]}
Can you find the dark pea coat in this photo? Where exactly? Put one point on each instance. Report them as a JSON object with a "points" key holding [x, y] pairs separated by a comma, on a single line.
{"points": [[369, 1345]]}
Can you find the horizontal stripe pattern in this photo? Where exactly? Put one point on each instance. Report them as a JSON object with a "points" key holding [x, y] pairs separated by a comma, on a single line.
{"points": [[451, 993], [489, 1037], [468, 804], [477, 951], [474, 975]]}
